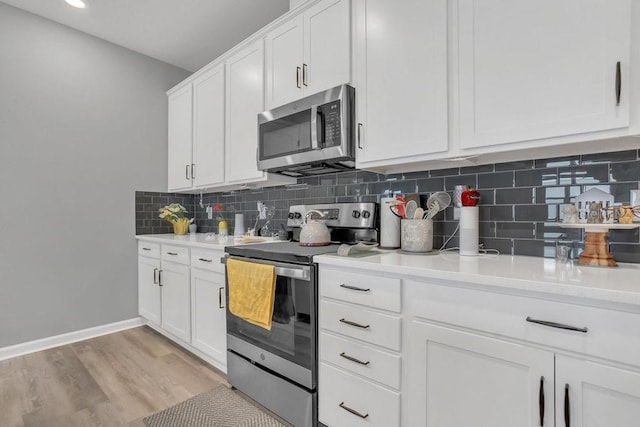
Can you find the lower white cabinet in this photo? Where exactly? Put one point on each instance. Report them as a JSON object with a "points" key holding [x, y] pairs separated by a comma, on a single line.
{"points": [[176, 300], [149, 293], [208, 314]]}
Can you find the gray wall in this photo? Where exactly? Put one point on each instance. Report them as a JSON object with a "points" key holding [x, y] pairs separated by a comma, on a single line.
{"points": [[82, 126]]}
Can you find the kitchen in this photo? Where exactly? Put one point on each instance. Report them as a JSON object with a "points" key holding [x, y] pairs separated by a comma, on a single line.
{"points": [[85, 276]]}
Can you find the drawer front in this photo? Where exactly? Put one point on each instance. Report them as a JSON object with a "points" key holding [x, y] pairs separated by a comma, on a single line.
{"points": [[376, 328], [207, 259], [340, 392], [365, 360], [179, 254], [364, 289], [610, 334], [149, 249]]}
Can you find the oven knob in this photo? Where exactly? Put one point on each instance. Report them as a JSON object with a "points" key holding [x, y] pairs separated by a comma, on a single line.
{"points": [[297, 215], [291, 215], [355, 214], [366, 214]]}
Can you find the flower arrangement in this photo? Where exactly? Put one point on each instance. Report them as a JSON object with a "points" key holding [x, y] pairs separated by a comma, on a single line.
{"points": [[175, 214]]}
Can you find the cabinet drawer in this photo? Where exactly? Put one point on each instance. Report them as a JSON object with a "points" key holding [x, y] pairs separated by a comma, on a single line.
{"points": [[362, 359], [207, 259], [339, 390], [179, 254], [610, 334], [365, 325], [372, 291], [149, 249]]}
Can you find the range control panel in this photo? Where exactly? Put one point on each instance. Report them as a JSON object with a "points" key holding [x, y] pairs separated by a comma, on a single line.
{"points": [[343, 215]]}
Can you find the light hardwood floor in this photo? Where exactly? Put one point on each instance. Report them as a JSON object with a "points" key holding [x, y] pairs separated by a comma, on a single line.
{"points": [[113, 380]]}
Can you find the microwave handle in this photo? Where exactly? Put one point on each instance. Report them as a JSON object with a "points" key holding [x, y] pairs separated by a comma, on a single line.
{"points": [[314, 128]]}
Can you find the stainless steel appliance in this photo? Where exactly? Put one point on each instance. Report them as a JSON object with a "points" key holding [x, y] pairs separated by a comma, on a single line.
{"points": [[311, 136], [278, 368]]}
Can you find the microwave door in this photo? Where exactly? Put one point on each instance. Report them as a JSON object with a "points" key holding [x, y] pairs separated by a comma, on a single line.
{"points": [[317, 128], [286, 136]]}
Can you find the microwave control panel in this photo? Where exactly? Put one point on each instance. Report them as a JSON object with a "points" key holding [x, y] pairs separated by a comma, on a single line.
{"points": [[331, 123]]}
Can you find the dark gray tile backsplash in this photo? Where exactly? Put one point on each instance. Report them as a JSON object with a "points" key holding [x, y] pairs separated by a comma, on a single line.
{"points": [[519, 207]]}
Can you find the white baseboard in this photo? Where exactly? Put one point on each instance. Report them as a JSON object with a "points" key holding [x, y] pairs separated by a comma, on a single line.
{"points": [[68, 338]]}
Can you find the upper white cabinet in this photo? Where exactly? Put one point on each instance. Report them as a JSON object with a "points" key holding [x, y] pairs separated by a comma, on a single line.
{"points": [[530, 70], [309, 53], [401, 80], [196, 132]]}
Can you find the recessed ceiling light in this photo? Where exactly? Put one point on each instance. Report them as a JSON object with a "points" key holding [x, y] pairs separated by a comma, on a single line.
{"points": [[76, 3]]}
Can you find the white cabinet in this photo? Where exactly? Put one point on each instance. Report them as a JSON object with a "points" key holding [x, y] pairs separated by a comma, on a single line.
{"points": [[401, 81], [543, 69], [309, 53], [594, 394], [462, 379], [196, 132], [176, 292], [208, 313], [149, 294]]}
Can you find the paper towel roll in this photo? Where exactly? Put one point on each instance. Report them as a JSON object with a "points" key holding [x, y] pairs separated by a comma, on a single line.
{"points": [[239, 225], [469, 225], [389, 225]]}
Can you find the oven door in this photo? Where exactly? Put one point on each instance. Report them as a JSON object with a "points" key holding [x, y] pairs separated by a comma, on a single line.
{"points": [[289, 348]]}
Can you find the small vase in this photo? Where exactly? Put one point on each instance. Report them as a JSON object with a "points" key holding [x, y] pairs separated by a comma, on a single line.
{"points": [[181, 226]]}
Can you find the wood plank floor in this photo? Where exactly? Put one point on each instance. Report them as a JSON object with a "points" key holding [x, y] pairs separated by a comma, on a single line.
{"points": [[113, 380]]}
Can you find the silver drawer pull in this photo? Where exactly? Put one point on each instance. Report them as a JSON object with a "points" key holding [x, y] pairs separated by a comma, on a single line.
{"points": [[205, 260], [172, 253], [353, 411], [355, 288], [557, 325], [146, 249], [357, 325], [353, 359]]}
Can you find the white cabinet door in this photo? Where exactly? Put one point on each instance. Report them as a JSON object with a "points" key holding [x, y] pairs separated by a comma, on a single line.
{"points": [[283, 62], [401, 80], [459, 378], [208, 314], [179, 137], [208, 128], [245, 99], [595, 395], [176, 300], [538, 69], [309, 53], [327, 52], [149, 295]]}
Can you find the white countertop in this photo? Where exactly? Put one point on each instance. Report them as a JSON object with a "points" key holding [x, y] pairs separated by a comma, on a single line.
{"points": [[198, 240], [522, 274]]}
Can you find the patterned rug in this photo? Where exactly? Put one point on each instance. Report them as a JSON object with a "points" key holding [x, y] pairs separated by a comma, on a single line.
{"points": [[220, 407]]}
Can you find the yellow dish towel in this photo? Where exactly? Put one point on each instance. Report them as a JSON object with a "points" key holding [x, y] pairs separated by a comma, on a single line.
{"points": [[252, 291]]}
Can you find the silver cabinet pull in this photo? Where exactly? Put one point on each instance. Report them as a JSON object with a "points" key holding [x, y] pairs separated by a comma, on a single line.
{"points": [[146, 249], [359, 136], [618, 82], [187, 174], [355, 288], [160, 278], [353, 359], [193, 171], [353, 411], [220, 297], [155, 276], [357, 325], [172, 253], [205, 260], [298, 77], [304, 74], [557, 325]]}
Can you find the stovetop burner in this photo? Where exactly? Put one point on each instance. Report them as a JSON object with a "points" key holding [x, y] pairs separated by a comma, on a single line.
{"points": [[282, 251]]}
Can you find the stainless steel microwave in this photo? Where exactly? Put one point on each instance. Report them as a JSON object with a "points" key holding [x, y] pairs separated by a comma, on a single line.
{"points": [[311, 136]]}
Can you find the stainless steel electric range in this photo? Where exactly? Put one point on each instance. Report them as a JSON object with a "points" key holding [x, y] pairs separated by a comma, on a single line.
{"points": [[278, 368]]}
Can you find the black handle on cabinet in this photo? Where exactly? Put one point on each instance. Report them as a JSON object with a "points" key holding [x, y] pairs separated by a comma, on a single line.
{"points": [[155, 276], [353, 411], [146, 249], [359, 135], [567, 407], [557, 325], [220, 298], [205, 260], [353, 359], [541, 401], [618, 82], [355, 288], [172, 253], [186, 172], [298, 77], [304, 74], [160, 278], [193, 171], [357, 325]]}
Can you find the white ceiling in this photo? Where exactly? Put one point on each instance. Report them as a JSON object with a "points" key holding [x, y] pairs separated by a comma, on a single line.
{"points": [[185, 33]]}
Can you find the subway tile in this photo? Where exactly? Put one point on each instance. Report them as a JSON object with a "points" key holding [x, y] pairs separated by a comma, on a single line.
{"points": [[536, 212], [553, 231], [366, 176], [616, 156], [504, 246], [415, 175], [496, 213], [626, 171], [382, 188], [403, 187], [476, 169], [487, 229], [621, 192], [531, 247], [451, 181], [557, 162], [309, 180], [584, 174], [536, 178], [510, 166], [357, 190], [522, 230], [346, 178], [624, 236], [557, 195], [487, 197], [623, 252], [444, 172], [430, 184], [513, 196], [327, 180], [496, 180]]}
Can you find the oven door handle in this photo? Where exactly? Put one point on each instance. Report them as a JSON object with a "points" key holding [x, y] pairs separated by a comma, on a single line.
{"points": [[284, 270]]}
